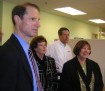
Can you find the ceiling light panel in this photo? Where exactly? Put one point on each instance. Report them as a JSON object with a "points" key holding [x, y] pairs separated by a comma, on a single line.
{"points": [[70, 10], [97, 20]]}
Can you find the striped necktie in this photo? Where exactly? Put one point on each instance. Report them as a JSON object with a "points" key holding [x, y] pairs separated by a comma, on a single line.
{"points": [[31, 57]]}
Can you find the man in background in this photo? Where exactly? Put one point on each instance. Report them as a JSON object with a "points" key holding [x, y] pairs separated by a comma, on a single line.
{"points": [[60, 50]]}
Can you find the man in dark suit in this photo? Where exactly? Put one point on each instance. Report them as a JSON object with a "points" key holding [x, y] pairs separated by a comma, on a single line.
{"points": [[16, 73]]}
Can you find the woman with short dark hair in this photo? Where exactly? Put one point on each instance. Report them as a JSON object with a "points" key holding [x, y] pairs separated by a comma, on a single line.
{"points": [[46, 65], [81, 73]]}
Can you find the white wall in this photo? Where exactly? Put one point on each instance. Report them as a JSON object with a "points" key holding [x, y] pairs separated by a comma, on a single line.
{"points": [[50, 24]]}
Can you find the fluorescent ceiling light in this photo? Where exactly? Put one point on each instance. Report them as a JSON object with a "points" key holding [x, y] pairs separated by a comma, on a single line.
{"points": [[70, 11], [97, 21]]}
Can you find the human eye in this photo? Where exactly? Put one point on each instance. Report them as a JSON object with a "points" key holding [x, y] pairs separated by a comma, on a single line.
{"points": [[34, 19]]}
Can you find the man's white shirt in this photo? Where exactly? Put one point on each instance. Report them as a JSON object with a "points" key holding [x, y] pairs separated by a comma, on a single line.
{"points": [[60, 52]]}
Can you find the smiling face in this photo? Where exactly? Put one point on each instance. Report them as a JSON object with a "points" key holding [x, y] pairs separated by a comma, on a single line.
{"points": [[82, 49], [27, 27], [84, 52]]}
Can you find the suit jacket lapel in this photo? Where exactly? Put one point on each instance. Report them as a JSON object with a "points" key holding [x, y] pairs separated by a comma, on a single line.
{"points": [[89, 71], [23, 57], [86, 78]]}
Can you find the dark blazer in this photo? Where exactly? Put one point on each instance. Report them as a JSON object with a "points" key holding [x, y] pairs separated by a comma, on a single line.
{"points": [[70, 78], [15, 72], [47, 72]]}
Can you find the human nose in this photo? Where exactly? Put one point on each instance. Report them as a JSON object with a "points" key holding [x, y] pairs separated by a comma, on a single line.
{"points": [[67, 36], [37, 23]]}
